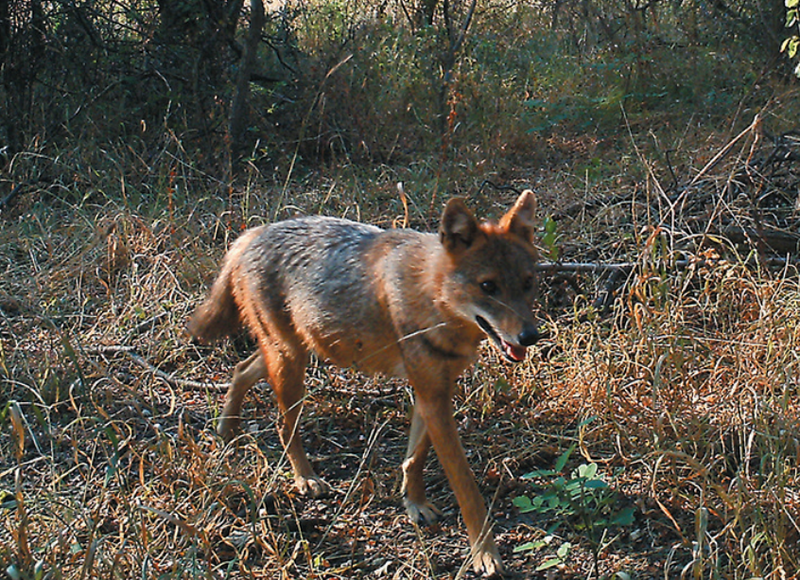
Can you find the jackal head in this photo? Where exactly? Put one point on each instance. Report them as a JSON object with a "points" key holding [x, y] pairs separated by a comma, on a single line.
{"points": [[491, 280]]}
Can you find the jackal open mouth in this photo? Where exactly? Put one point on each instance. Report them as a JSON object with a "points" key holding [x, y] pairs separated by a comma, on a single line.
{"points": [[512, 352]]}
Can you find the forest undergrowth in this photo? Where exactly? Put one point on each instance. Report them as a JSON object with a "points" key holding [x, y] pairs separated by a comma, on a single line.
{"points": [[654, 432], [669, 365]]}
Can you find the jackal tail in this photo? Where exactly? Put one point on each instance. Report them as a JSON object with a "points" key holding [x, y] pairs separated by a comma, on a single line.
{"points": [[218, 316]]}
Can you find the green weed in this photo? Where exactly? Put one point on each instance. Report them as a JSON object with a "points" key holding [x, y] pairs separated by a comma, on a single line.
{"points": [[582, 501]]}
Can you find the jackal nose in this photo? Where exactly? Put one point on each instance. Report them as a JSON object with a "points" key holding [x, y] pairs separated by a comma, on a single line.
{"points": [[529, 336]]}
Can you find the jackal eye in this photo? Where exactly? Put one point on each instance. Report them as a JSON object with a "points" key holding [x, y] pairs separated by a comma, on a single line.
{"points": [[527, 284], [489, 287]]}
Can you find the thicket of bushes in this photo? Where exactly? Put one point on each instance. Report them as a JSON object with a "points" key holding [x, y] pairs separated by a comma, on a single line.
{"points": [[138, 86]]}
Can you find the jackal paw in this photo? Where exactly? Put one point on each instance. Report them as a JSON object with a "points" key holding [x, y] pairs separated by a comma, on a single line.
{"points": [[422, 514], [227, 428], [312, 486], [486, 559]]}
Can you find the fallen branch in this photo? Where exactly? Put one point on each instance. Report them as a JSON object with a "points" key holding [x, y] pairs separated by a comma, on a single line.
{"points": [[598, 268], [10, 197], [166, 377], [777, 240], [383, 397], [583, 267], [620, 272]]}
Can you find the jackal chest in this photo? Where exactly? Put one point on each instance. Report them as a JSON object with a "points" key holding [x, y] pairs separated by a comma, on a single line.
{"points": [[365, 351]]}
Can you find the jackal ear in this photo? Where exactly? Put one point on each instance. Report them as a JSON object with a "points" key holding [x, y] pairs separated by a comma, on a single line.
{"points": [[519, 219], [459, 228]]}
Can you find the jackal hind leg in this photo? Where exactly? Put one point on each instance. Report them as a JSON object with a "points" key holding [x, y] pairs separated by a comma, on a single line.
{"points": [[286, 364], [420, 510], [246, 374]]}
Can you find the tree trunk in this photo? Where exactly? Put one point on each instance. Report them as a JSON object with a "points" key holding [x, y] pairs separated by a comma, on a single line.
{"points": [[239, 106], [22, 49]]}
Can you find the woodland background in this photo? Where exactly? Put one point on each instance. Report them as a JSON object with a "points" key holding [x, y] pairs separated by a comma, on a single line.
{"points": [[654, 432]]}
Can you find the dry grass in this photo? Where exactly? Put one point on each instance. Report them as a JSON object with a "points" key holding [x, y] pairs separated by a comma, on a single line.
{"points": [[685, 393]]}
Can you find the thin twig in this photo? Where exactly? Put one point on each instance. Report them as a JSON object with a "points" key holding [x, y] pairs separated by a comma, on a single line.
{"points": [[724, 151], [168, 378]]}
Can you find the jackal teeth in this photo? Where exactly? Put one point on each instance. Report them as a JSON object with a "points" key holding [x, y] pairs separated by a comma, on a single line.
{"points": [[512, 352]]}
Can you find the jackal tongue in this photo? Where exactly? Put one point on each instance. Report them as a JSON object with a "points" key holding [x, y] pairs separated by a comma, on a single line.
{"points": [[512, 352], [515, 353]]}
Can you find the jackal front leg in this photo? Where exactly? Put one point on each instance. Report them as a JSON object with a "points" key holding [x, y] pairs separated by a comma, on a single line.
{"points": [[436, 410]]}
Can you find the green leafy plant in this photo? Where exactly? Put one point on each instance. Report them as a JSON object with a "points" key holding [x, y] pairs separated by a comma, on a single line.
{"points": [[792, 43], [583, 501], [550, 238]]}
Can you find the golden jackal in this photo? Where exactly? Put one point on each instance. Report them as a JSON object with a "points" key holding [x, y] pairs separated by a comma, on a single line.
{"points": [[397, 302]]}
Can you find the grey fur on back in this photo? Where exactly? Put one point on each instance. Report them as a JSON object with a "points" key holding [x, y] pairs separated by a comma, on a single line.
{"points": [[291, 264]]}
